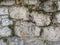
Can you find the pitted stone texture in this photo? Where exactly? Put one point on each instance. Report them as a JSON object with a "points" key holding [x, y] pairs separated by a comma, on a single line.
{"points": [[49, 6], [6, 21], [52, 33], [40, 19], [15, 41], [2, 42], [27, 29], [7, 2], [31, 2], [5, 31], [19, 13], [56, 18], [34, 41], [3, 10]]}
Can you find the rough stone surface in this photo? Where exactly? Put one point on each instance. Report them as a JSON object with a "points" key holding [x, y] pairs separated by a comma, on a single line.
{"points": [[5, 31], [27, 29], [19, 13], [8, 2], [15, 41], [3, 10], [52, 33], [29, 22], [40, 19]]}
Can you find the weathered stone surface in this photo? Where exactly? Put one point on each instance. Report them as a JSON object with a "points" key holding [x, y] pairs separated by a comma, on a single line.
{"points": [[27, 29], [6, 21], [15, 41], [50, 6], [34, 41], [2, 42], [56, 18], [19, 13], [5, 31], [7, 2], [58, 5], [3, 10], [31, 2], [52, 33], [40, 19]]}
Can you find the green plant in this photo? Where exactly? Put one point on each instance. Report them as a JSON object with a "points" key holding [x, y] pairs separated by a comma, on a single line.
{"points": [[12, 29], [5, 39]]}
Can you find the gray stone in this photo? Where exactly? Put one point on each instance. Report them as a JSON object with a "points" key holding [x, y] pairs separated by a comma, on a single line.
{"points": [[40, 19], [27, 29], [5, 31], [34, 41], [19, 13], [6, 21], [31, 2], [49, 6], [15, 41], [56, 18], [2, 42], [7, 2], [52, 33], [3, 10]]}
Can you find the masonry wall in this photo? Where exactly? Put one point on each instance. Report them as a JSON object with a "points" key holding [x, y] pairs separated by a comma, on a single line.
{"points": [[30, 22]]}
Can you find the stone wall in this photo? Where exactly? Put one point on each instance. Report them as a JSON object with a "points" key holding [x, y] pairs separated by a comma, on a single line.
{"points": [[30, 22]]}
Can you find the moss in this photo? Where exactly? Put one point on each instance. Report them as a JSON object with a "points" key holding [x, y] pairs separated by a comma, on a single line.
{"points": [[5, 39], [12, 29], [26, 5], [37, 8], [1, 1]]}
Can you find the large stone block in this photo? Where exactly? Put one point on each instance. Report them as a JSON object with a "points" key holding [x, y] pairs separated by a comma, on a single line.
{"points": [[15, 41], [19, 13], [27, 29], [40, 19], [52, 33], [3, 10], [5, 31]]}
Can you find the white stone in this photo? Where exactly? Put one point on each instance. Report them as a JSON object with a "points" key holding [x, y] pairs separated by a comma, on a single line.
{"points": [[2, 43], [19, 13], [5, 31], [31, 2], [3, 10], [11, 2], [40, 19], [27, 29], [6, 21], [51, 33], [48, 6], [15, 41]]}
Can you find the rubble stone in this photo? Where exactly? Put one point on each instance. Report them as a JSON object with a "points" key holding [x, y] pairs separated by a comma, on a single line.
{"points": [[5, 31], [52, 33], [19, 13], [40, 19], [3, 10], [15, 41], [27, 29]]}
